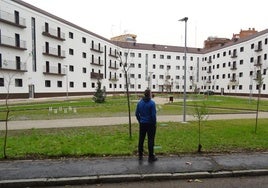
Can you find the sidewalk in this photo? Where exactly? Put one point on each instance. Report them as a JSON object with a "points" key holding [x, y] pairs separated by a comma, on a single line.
{"points": [[100, 121], [28, 173]]}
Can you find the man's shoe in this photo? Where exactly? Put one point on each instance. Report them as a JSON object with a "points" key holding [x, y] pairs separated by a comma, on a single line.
{"points": [[152, 159]]}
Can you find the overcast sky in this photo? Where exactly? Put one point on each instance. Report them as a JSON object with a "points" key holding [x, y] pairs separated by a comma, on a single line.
{"points": [[156, 21]]}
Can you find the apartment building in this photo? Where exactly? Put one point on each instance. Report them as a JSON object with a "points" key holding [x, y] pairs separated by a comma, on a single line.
{"points": [[42, 55]]}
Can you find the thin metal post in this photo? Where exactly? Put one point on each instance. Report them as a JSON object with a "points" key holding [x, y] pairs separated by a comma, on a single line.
{"points": [[185, 59]]}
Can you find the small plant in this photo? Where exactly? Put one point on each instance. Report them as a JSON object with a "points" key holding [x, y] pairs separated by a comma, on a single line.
{"points": [[99, 96], [201, 114]]}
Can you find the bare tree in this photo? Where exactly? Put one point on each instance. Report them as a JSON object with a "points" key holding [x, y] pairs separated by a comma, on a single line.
{"points": [[201, 114], [126, 67], [7, 83], [259, 81], [8, 77]]}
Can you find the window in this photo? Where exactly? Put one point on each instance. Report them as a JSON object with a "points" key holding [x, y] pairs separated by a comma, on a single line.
{"points": [[153, 66], [2, 82], [139, 76], [154, 56], [132, 54], [224, 54], [139, 55], [177, 57], [93, 85], [242, 49], [251, 59], [84, 84], [161, 66], [17, 17], [139, 65], [241, 62], [71, 51], [84, 70], [168, 57], [17, 40], [84, 40], [252, 46], [47, 83], [161, 56], [71, 35], [71, 84], [59, 83], [241, 74], [84, 55], [71, 68]]}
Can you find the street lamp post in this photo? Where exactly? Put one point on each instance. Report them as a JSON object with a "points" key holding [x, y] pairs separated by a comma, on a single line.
{"points": [[185, 19]]}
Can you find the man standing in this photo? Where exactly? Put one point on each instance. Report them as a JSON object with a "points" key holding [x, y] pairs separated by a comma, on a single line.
{"points": [[146, 116]]}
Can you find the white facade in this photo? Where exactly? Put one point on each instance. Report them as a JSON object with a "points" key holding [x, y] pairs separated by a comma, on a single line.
{"points": [[43, 55]]}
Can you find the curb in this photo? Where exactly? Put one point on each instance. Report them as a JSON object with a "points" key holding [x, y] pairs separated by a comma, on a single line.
{"points": [[127, 178]]}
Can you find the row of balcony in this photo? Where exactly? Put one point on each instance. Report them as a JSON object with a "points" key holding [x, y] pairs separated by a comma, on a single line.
{"points": [[11, 65], [97, 48], [55, 52], [12, 42], [55, 70], [258, 48], [53, 33], [12, 19]]}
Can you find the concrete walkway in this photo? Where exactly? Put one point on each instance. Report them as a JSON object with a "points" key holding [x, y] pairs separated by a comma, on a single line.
{"points": [[67, 171], [100, 121]]}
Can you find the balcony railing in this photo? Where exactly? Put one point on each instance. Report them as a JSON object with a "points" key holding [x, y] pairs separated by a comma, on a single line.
{"points": [[113, 79], [113, 66], [233, 80], [13, 66], [9, 18], [97, 48], [96, 75], [113, 54], [234, 55], [257, 63], [12, 43], [54, 52], [53, 33], [209, 71], [258, 48], [54, 70], [96, 61], [233, 68]]}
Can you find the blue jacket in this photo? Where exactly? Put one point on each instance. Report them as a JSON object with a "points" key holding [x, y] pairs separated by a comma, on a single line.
{"points": [[146, 111]]}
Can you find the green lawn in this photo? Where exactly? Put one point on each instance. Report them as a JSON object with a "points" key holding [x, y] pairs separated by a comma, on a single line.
{"points": [[171, 138], [117, 106]]}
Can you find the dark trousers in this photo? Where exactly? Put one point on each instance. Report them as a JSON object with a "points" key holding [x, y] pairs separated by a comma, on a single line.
{"points": [[150, 130]]}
